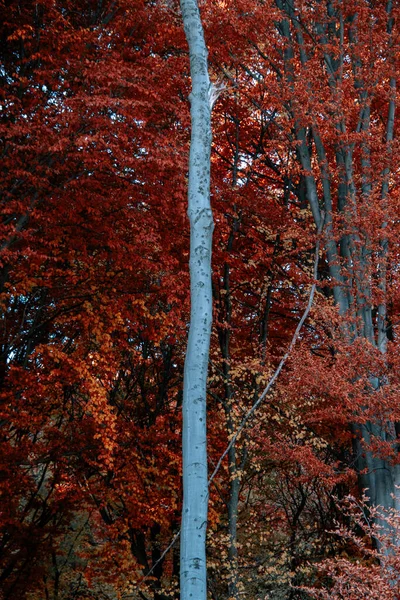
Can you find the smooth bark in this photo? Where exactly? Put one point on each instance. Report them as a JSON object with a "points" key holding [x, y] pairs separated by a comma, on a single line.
{"points": [[349, 261], [193, 575]]}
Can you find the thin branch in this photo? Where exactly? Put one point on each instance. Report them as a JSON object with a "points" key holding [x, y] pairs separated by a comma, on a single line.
{"points": [[275, 376], [172, 543], [259, 401]]}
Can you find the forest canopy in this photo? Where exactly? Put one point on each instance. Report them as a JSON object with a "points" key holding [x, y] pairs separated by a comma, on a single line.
{"points": [[95, 133]]}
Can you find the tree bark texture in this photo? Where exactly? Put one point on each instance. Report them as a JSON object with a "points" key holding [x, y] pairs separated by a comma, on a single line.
{"points": [[193, 576], [349, 260]]}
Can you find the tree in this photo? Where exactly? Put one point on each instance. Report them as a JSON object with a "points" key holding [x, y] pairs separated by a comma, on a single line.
{"points": [[324, 97], [194, 436], [95, 293], [87, 355]]}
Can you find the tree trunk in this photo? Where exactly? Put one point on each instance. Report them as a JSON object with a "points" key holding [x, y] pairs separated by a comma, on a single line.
{"points": [[349, 261], [193, 576]]}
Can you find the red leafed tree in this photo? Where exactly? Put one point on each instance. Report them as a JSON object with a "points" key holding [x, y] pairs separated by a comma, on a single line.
{"points": [[311, 122], [94, 288], [93, 294]]}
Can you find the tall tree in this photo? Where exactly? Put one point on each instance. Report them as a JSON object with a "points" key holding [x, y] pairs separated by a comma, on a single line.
{"points": [[194, 434], [325, 72], [347, 183], [87, 356]]}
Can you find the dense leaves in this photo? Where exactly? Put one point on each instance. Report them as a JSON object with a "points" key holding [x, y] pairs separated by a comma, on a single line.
{"points": [[94, 126]]}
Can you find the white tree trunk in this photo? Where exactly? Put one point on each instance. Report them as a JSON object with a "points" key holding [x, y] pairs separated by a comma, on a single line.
{"points": [[193, 575]]}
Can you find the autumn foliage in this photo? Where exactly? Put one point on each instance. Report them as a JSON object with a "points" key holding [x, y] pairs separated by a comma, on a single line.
{"points": [[94, 238]]}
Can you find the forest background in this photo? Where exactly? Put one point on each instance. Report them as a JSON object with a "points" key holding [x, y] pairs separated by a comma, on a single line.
{"points": [[94, 293]]}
